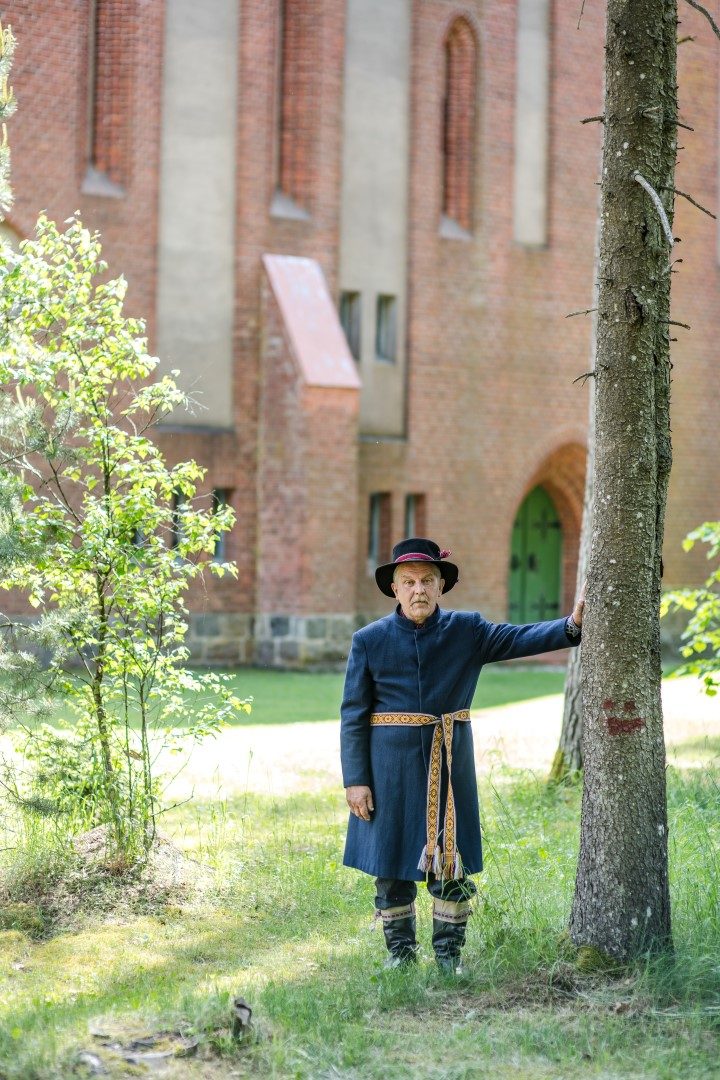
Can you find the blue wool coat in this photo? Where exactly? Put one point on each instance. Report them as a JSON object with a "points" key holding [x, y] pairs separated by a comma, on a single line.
{"points": [[396, 666]]}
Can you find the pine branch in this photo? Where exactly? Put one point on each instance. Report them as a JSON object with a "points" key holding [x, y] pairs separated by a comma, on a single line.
{"points": [[690, 199]]}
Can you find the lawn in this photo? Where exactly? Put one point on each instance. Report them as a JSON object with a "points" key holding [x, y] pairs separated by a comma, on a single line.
{"points": [[277, 919], [288, 697]]}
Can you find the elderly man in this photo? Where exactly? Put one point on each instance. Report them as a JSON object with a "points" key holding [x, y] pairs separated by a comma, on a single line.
{"points": [[407, 749]]}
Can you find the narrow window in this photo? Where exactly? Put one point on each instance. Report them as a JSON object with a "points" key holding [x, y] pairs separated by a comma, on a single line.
{"points": [[296, 105], [386, 328], [110, 82], [414, 515], [220, 499], [350, 320], [458, 124], [378, 550]]}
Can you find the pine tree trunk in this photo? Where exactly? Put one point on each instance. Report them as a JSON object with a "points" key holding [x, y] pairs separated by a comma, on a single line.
{"points": [[622, 905]]}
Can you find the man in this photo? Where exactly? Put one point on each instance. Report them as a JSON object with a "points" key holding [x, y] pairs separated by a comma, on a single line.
{"points": [[407, 749]]}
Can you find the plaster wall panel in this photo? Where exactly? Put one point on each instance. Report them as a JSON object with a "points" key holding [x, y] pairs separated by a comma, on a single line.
{"points": [[197, 202], [532, 80], [373, 238]]}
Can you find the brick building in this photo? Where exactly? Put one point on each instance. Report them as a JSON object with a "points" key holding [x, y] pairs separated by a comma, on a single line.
{"points": [[265, 172]]}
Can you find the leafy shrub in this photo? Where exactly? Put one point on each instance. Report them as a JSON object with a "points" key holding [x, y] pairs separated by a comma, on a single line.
{"points": [[702, 633], [99, 533]]}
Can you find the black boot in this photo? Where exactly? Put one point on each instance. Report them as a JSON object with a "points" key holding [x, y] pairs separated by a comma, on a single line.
{"points": [[449, 924], [399, 929]]}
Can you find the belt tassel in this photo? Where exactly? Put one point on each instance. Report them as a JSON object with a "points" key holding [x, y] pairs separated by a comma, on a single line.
{"points": [[428, 865]]}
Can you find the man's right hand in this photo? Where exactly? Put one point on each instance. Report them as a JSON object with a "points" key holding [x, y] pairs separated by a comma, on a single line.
{"points": [[360, 801]]}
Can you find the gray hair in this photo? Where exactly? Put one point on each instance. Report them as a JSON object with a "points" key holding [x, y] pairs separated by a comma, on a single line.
{"points": [[418, 562]]}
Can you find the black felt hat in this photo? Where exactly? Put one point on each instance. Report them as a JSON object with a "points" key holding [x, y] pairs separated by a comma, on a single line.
{"points": [[416, 550]]}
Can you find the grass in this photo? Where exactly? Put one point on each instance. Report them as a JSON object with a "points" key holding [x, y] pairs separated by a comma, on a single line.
{"points": [[286, 697], [286, 926], [279, 921], [290, 696]]}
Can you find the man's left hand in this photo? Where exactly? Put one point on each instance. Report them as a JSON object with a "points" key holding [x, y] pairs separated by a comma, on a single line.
{"points": [[579, 606]]}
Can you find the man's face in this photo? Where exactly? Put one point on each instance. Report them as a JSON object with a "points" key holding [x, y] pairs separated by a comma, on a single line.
{"points": [[417, 586]]}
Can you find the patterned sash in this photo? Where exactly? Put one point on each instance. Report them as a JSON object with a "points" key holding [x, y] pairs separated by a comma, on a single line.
{"points": [[446, 863]]}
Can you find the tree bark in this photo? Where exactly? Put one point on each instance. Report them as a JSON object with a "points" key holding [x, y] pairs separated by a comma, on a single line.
{"points": [[622, 905]]}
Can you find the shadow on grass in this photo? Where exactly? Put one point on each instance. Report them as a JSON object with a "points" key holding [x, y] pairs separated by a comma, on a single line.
{"points": [[287, 927]]}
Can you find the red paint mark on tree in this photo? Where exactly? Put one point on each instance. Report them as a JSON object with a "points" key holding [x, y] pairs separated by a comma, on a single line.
{"points": [[625, 724]]}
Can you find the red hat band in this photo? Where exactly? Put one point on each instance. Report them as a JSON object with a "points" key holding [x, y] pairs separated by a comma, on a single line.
{"points": [[417, 556]]}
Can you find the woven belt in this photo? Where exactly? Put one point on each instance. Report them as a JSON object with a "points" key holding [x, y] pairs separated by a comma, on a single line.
{"points": [[445, 863]]}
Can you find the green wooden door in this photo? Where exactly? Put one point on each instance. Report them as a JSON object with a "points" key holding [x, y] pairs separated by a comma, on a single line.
{"points": [[535, 560]]}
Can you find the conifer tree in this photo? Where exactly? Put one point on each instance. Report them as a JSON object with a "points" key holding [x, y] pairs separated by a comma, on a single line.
{"points": [[622, 903]]}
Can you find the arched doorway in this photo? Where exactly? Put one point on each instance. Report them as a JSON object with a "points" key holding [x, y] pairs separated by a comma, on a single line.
{"points": [[536, 560]]}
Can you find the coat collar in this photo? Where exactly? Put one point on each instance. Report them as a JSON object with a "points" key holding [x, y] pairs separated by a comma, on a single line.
{"points": [[407, 624]]}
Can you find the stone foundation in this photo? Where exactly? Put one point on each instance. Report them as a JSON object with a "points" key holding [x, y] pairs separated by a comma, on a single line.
{"points": [[220, 638], [279, 641], [229, 639]]}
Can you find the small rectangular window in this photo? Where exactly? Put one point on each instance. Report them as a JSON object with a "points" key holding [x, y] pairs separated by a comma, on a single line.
{"points": [[350, 320], [220, 498], [378, 550], [386, 328], [297, 115], [414, 515]]}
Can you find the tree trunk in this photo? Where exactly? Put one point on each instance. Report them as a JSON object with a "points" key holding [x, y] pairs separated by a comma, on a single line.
{"points": [[622, 905], [568, 756]]}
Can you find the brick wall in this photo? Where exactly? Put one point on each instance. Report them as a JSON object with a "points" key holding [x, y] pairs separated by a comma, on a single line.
{"points": [[492, 406], [51, 137], [492, 409], [259, 231], [694, 494], [307, 479]]}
